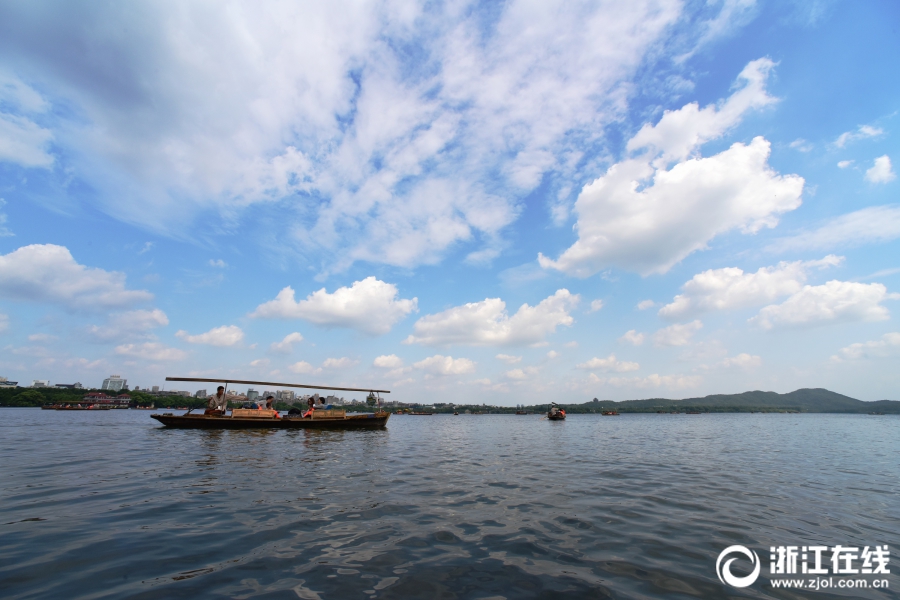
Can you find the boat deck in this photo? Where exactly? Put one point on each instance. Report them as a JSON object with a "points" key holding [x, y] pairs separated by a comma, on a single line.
{"points": [[358, 421]]}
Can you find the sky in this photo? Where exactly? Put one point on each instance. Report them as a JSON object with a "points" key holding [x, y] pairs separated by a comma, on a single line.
{"points": [[499, 202]]}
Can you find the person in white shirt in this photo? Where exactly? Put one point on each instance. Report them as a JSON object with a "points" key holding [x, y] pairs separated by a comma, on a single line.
{"points": [[217, 403]]}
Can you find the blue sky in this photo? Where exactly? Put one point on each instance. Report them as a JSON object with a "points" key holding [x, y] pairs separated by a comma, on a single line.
{"points": [[500, 202]]}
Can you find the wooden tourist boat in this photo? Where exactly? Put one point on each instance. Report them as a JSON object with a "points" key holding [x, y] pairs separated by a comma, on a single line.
{"points": [[556, 413], [248, 418], [610, 413]]}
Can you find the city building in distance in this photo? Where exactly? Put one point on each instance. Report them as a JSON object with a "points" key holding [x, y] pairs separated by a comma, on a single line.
{"points": [[114, 383]]}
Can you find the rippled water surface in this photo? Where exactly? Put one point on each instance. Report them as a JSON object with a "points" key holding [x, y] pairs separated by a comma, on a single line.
{"points": [[111, 505]]}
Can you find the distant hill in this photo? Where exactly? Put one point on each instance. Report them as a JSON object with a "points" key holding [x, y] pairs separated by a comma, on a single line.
{"points": [[815, 400]]}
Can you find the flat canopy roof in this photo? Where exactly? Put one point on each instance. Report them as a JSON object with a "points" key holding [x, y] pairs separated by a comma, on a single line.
{"points": [[276, 384]]}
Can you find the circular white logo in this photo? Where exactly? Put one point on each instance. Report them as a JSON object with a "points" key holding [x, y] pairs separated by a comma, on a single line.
{"points": [[724, 570]]}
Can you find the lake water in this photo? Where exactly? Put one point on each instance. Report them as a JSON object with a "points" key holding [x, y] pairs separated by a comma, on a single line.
{"points": [[111, 505]]}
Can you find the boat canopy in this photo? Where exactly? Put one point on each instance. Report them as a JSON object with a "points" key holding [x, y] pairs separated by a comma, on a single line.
{"points": [[276, 384]]}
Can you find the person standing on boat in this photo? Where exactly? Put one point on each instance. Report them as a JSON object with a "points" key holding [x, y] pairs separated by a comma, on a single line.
{"points": [[217, 404]]}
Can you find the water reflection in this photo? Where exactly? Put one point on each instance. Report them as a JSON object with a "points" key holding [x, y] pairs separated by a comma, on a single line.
{"points": [[447, 507]]}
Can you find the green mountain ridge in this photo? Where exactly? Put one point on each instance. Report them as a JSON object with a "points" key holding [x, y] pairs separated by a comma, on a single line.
{"points": [[803, 400]]}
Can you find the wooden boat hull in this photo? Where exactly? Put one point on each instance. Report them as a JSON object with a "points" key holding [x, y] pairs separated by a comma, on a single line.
{"points": [[199, 421], [556, 417]]}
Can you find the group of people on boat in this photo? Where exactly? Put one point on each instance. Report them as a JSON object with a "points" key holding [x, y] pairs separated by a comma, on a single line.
{"points": [[218, 404]]}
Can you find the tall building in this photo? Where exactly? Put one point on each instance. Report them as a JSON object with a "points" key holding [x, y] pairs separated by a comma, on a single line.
{"points": [[252, 394], [40, 383], [155, 389], [114, 383], [200, 394]]}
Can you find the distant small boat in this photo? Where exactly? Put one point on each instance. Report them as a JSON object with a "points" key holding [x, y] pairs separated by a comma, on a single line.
{"points": [[421, 414], [455, 414], [610, 413]]}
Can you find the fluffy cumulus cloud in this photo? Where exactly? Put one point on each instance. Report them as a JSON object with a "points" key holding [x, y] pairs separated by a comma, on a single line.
{"points": [[439, 365], [287, 344], [610, 363], [134, 323], [632, 337], [888, 345], [304, 368], [731, 288], [227, 335], [379, 128], [388, 361], [521, 374], [49, 273], [487, 323], [509, 358], [881, 171], [152, 351], [679, 334], [646, 216], [371, 306], [865, 226], [339, 363], [835, 301]]}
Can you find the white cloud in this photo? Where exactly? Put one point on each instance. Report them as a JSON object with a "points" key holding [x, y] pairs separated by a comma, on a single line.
{"points": [[218, 263], [24, 143], [674, 382], [645, 304], [888, 345], [843, 164], [389, 361], [287, 344], [863, 132], [135, 323], [596, 305], [260, 362], [868, 225], [730, 288], [835, 301], [632, 337], [487, 323], [34, 337], [152, 351], [48, 273], [801, 145], [642, 217], [339, 363], [881, 171], [370, 306], [742, 361], [4, 230], [552, 354], [509, 359], [676, 335], [304, 367], [521, 374], [227, 335], [445, 365], [4, 322], [326, 99], [610, 363]]}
